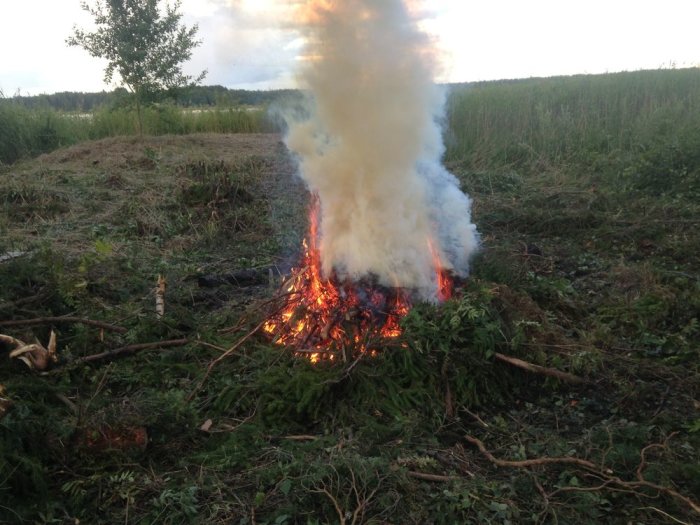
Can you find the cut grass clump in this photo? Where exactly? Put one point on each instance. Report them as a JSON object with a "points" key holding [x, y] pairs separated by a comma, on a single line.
{"points": [[31, 203], [222, 196]]}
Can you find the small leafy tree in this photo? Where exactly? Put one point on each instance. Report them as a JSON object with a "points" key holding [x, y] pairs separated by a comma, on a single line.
{"points": [[144, 44]]}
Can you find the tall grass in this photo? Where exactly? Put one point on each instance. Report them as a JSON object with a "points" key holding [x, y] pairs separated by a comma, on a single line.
{"points": [[28, 132], [570, 119], [25, 132]]}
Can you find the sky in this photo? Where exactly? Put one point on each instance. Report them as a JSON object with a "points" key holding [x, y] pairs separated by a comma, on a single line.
{"points": [[252, 44]]}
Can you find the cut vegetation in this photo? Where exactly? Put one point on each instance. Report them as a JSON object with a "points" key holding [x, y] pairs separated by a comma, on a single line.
{"points": [[590, 265]]}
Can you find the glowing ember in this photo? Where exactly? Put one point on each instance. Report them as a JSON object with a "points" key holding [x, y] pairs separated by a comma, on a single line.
{"points": [[322, 318]]}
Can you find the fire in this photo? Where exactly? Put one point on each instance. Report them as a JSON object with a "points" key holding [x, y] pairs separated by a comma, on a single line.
{"points": [[323, 318], [445, 285]]}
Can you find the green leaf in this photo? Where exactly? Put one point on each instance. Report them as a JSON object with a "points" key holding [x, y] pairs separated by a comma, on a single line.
{"points": [[103, 248]]}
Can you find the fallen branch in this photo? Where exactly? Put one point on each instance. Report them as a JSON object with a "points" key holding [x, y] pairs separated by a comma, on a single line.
{"points": [[429, 477], [541, 370], [302, 437], [64, 319], [130, 349], [604, 474]]}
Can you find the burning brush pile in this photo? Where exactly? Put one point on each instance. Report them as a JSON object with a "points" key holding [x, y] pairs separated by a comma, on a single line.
{"points": [[325, 317], [389, 225]]}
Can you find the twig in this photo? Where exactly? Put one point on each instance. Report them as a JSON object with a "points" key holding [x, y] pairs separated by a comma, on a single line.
{"points": [[130, 349], [476, 416], [429, 477], [302, 437], [209, 345], [315, 351], [526, 463], [225, 427], [65, 319], [665, 514], [542, 370]]}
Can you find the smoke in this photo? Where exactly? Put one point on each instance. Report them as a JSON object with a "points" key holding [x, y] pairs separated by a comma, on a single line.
{"points": [[371, 147]]}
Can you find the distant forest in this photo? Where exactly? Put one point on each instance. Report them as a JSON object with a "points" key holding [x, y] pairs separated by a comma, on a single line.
{"points": [[197, 96]]}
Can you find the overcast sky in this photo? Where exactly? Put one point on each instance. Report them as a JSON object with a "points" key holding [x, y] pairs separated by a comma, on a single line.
{"points": [[252, 44]]}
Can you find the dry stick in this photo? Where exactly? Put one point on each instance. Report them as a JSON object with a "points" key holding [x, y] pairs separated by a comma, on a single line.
{"points": [[604, 475], [131, 349], [65, 319], [665, 514], [208, 345], [529, 462], [429, 477], [542, 370]]}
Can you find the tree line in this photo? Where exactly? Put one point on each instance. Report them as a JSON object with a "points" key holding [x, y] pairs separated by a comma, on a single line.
{"points": [[191, 96]]}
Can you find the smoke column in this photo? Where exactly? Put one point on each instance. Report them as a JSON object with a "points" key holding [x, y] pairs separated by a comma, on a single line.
{"points": [[371, 147]]}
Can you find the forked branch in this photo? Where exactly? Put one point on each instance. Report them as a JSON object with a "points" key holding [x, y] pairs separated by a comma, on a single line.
{"points": [[604, 474]]}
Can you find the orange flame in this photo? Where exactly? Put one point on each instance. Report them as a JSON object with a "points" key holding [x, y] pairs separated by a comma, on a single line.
{"points": [[445, 285], [323, 317]]}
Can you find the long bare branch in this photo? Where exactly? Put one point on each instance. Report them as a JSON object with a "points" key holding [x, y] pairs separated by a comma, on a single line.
{"points": [[541, 370], [605, 475], [130, 349], [65, 319]]}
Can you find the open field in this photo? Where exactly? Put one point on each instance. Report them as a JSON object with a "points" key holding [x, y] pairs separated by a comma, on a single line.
{"points": [[590, 265]]}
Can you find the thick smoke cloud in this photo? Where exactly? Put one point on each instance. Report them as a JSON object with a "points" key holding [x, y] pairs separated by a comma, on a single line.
{"points": [[371, 147]]}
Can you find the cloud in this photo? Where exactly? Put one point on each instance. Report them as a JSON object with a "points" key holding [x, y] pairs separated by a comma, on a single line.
{"points": [[244, 43]]}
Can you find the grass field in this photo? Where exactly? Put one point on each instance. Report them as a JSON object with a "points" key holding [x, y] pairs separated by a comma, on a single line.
{"points": [[590, 265]]}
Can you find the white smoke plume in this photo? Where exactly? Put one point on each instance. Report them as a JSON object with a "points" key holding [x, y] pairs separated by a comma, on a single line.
{"points": [[371, 147]]}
